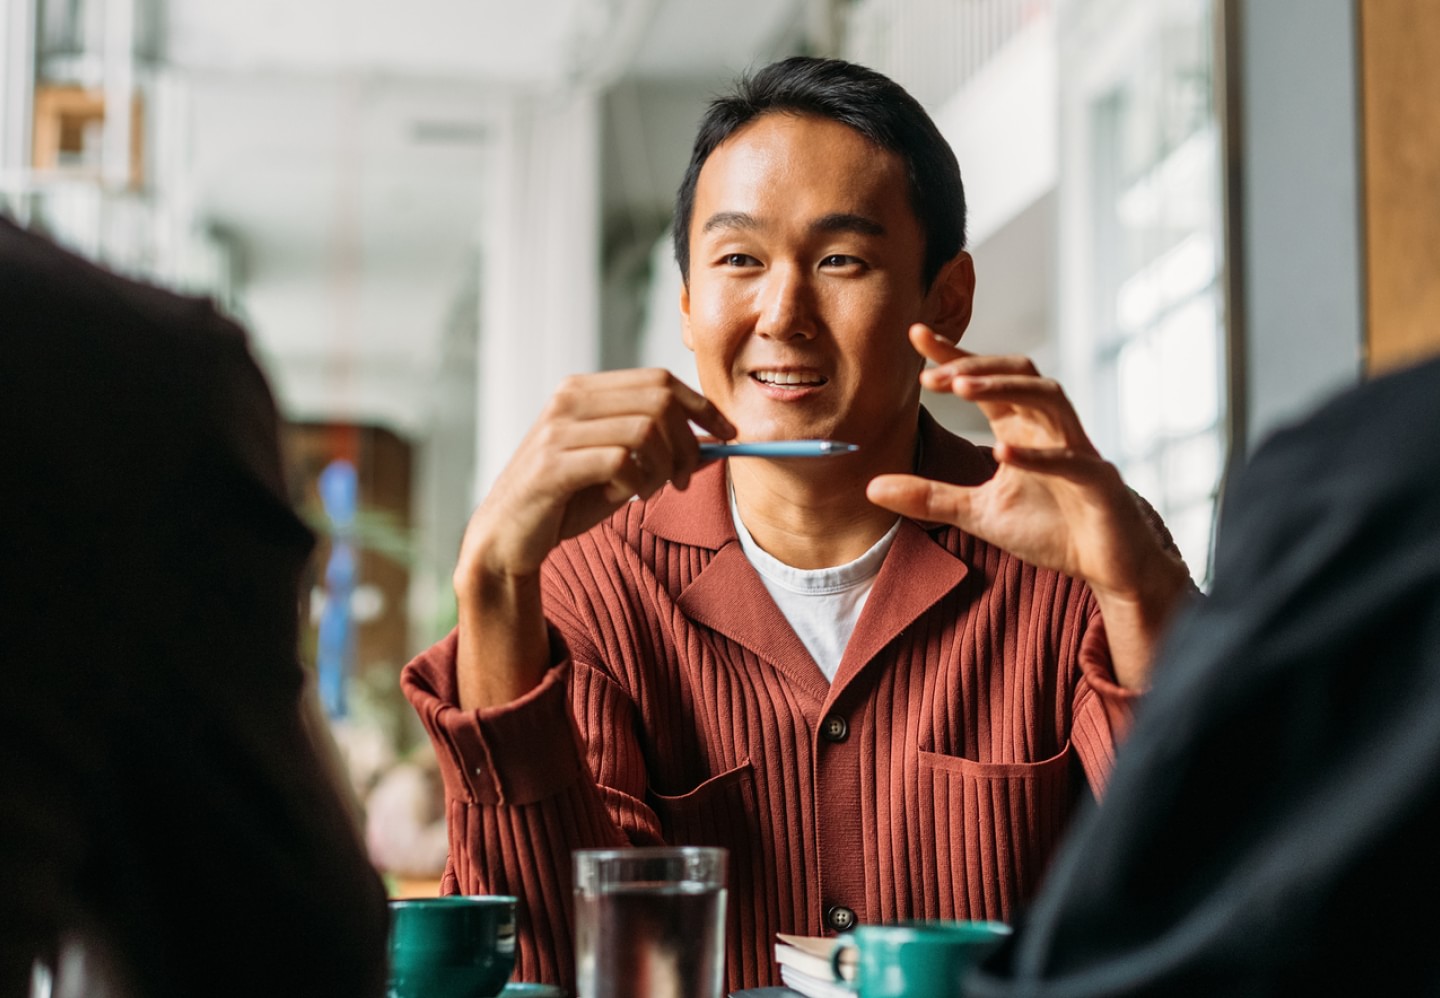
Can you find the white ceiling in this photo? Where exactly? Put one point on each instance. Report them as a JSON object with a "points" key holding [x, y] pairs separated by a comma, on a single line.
{"points": [[508, 43], [353, 205], [526, 43], [342, 145]]}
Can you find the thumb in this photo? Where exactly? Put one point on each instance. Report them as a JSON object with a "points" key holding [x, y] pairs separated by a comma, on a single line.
{"points": [[920, 498]]}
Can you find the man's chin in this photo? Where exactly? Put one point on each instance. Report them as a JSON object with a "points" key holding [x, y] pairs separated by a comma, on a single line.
{"points": [[769, 432], [791, 423]]}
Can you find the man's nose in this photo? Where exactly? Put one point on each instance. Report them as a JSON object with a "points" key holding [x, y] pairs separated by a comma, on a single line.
{"points": [[786, 311]]}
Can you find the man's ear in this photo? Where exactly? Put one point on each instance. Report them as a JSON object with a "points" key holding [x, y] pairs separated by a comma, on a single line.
{"points": [[685, 334], [951, 297]]}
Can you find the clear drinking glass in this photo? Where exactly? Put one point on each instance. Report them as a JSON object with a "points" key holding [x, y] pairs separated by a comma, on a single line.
{"points": [[650, 922]]}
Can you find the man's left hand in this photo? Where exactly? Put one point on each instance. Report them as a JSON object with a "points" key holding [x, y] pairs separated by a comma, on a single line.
{"points": [[1053, 502]]}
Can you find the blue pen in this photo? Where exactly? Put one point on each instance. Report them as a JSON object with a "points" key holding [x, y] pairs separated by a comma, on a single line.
{"points": [[778, 448]]}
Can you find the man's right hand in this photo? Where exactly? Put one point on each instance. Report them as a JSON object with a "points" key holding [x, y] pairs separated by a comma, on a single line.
{"points": [[601, 439]]}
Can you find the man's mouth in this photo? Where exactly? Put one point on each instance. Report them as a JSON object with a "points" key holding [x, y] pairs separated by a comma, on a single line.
{"points": [[790, 379]]}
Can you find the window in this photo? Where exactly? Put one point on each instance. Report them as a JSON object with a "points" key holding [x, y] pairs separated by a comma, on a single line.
{"points": [[1153, 338]]}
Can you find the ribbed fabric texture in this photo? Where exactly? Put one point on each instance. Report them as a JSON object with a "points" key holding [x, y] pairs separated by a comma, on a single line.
{"points": [[932, 779]]}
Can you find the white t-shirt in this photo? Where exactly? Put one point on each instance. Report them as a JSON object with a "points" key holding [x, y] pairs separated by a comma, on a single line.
{"points": [[821, 604]]}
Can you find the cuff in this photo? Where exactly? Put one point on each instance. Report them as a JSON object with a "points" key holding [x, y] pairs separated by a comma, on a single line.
{"points": [[1119, 702], [518, 753]]}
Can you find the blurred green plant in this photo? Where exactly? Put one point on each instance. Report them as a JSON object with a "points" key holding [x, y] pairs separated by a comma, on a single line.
{"points": [[375, 529], [374, 690]]}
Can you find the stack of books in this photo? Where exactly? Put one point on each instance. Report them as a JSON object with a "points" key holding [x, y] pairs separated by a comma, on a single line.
{"points": [[805, 966]]}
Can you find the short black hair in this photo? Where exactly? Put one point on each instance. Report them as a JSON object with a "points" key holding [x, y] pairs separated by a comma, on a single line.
{"points": [[869, 102]]}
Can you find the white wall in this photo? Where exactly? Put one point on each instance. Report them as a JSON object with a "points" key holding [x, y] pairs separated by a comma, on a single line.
{"points": [[660, 343], [17, 86], [539, 269], [1003, 128]]}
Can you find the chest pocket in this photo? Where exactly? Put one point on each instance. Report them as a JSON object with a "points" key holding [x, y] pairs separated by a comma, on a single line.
{"points": [[999, 824], [719, 812]]}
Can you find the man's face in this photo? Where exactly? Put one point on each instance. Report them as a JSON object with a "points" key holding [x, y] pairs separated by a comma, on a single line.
{"points": [[805, 274]]}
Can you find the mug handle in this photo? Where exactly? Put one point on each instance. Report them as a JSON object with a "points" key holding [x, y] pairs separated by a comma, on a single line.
{"points": [[843, 942]]}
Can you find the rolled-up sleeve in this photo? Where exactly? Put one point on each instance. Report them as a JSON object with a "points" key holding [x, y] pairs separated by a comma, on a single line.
{"points": [[518, 753], [1103, 711], [521, 795]]}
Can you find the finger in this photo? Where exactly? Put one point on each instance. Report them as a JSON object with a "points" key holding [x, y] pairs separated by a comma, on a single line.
{"points": [[1017, 389], [666, 451], [620, 378], [587, 396], [645, 412], [662, 449], [956, 360], [674, 404], [1040, 398], [1075, 464], [941, 379], [558, 477], [631, 473], [932, 346], [646, 424], [641, 416], [702, 412], [623, 430], [684, 448], [646, 466], [652, 390], [920, 498], [596, 402]]}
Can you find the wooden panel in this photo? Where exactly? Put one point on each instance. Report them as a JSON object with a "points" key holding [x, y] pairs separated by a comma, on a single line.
{"points": [[62, 114], [384, 465], [403, 887], [1400, 59]]}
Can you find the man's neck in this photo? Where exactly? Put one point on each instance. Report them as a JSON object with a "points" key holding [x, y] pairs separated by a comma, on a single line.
{"points": [[812, 513]]}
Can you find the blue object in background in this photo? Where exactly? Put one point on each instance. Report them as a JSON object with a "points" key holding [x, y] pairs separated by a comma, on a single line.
{"points": [[335, 654]]}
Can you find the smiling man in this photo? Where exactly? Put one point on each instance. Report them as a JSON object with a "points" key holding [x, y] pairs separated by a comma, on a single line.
{"points": [[881, 680]]}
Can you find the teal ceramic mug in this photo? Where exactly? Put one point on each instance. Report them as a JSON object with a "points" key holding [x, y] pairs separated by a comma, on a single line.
{"points": [[914, 959], [461, 946]]}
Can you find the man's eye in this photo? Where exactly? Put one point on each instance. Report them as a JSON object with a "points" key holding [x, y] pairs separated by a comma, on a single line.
{"points": [[839, 260], [739, 260]]}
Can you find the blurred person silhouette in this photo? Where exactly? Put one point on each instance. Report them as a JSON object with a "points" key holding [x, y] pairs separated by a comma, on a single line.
{"points": [[881, 680], [1268, 824], [169, 822]]}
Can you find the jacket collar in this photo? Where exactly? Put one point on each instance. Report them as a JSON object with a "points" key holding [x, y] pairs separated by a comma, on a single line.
{"points": [[728, 595]]}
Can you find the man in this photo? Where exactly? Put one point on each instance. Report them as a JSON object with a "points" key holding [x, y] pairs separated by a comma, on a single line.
{"points": [[1268, 830], [880, 716], [165, 821]]}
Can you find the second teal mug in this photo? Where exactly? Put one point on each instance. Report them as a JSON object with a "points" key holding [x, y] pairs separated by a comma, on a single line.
{"points": [[451, 947], [911, 959]]}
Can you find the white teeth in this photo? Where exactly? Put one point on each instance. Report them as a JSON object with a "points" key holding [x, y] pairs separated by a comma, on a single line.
{"points": [[788, 378]]}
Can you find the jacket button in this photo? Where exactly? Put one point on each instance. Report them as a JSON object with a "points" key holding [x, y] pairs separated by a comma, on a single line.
{"points": [[840, 918], [834, 729]]}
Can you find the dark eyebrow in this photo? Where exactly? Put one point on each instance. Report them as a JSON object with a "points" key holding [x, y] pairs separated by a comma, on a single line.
{"points": [[838, 221], [846, 222], [731, 220]]}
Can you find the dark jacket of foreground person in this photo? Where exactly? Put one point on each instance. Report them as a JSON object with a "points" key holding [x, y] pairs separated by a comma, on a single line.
{"points": [[1269, 827], [162, 808]]}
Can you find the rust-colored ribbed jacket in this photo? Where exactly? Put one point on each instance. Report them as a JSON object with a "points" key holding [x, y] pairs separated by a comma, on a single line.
{"points": [[932, 779]]}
